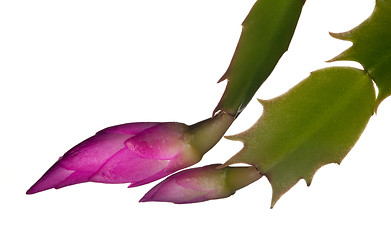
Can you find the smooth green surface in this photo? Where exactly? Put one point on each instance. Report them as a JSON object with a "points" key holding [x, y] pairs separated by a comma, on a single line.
{"points": [[315, 123], [372, 47], [206, 134], [266, 35]]}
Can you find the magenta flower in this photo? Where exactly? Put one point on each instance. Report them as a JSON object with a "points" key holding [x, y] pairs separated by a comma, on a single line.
{"points": [[135, 153], [202, 184]]}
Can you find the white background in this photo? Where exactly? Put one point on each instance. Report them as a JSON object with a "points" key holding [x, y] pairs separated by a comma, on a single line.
{"points": [[71, 68]]}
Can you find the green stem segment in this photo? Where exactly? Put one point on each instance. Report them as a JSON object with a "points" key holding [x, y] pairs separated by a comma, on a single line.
{"points": [[239, 177], [266, 35], [205, 135]]}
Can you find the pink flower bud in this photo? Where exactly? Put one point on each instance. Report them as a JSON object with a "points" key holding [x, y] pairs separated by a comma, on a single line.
{"points": [[202, 184], [135, 153]]}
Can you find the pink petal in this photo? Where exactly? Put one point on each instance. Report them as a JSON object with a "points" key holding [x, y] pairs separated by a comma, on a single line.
{"points": [[201, 179], [127, 167], [189, 186], [129, 128], [55, 175], [163, 141], [169, 191], [89, 155], [81, 162], [74, 178]]}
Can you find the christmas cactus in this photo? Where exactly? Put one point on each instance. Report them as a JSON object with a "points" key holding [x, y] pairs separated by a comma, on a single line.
{"points": [[315, 123]]}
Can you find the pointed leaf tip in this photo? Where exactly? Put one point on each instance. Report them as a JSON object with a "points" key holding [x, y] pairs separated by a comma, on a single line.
{"points": [[344, 36], [308, 181], [263, 102], [233, 138]]}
